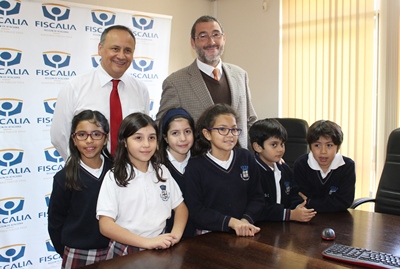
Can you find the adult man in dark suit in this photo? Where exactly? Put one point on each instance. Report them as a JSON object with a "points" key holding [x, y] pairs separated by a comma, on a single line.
{"points": [[196, 87]]}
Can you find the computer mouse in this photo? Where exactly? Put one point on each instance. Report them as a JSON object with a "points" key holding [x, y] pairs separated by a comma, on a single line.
{"points": [[328, 234]]}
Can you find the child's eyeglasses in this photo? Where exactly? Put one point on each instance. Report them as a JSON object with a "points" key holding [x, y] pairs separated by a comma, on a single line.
{"points": [[225, 131], [81, 136]]}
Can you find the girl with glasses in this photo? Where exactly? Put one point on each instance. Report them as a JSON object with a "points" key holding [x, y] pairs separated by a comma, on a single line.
{"points": [[138, 194], [223, 191], [72, 223]]}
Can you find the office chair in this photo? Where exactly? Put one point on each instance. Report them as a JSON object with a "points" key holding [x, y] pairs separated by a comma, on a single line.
{"points": [[296, 145], [387, 198]]}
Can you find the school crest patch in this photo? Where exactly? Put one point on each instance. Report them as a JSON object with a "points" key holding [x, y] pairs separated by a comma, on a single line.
{"points": [[333, 189], [287, 187], [164, 194], [245, 172]]}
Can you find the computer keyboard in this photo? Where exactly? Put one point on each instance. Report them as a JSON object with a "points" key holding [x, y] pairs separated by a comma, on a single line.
{"points": [[361, 256]]}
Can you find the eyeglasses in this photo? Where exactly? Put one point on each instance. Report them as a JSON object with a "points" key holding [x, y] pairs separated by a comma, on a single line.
{"points": [[225, 131], [95, 135], [213, 36]]}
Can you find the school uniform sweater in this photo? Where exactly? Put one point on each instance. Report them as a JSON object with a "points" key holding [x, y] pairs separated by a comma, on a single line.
{"points": [[190, 230], [72, 214], [274, 211], [333, 193], [214, 195]]}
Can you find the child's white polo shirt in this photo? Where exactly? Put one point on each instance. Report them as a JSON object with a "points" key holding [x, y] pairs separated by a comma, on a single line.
{"points": [[144, 205]]}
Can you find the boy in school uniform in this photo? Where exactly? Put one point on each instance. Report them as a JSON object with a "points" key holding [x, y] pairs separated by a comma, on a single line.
{"points": [[282, 201], [325, 177]]}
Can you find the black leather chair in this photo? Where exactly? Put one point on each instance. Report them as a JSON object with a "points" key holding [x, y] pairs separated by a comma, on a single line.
{"points": [[387, 198], [296, 145]]}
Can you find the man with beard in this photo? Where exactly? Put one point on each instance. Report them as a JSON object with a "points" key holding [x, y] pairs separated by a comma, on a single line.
{"points": [[208, 81]]}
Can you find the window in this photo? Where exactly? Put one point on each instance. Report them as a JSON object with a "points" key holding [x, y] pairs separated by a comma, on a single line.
{"points": [[328, 71]]}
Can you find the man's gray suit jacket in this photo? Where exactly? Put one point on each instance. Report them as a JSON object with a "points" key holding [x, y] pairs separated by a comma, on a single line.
{"points": [[186, 88]]}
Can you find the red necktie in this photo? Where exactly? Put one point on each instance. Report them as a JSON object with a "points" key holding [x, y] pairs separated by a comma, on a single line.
{"points": [[216, 73], [115, 115]]}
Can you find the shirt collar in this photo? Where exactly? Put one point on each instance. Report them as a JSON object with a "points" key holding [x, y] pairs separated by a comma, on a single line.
{"points": [[208, 69], [150, 169], [337, 162], [223, 164], [275, 168], [94, 171], [180, 166], [106, 78]]}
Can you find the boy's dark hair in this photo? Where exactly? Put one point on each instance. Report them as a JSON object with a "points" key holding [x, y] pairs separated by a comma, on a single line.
{"points": [[207, 120], [327, 129], [164, 125], [264, 129], [72, 165], [129, 126]]}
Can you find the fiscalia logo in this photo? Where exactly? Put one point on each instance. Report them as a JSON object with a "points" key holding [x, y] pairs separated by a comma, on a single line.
{"points": [[10, 106], [55, 12], [10, 56], [9, 7], [103, 17], [142, 22], [56, 59]]}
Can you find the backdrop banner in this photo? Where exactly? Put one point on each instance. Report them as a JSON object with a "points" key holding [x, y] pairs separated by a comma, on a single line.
{"points": [[43, 45]]}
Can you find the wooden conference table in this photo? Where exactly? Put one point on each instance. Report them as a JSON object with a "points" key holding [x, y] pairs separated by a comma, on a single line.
{"points": [[278, 245]]}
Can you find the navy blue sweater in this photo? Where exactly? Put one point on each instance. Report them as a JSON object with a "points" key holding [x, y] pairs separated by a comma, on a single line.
{"points": [[190, 230], [214, 195], [274, 211], [72, 214], [333, 193]]}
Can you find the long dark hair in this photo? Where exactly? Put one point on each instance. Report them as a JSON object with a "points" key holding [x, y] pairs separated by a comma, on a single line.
{"points": [[129, 126], [164, 125], [72, 165], [207, 120]]}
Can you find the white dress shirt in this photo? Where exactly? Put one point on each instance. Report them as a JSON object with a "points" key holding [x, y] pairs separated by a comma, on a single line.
{"points": [[92, 91], [277, 176], [208, 69]]}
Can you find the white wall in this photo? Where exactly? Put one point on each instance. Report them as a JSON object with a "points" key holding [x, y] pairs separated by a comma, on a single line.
{"points": [[252, 38], [253, 43]]}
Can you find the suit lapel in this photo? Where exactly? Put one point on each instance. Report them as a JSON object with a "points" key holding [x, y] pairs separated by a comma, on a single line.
{"points": [[231, 77], [199, 86]]}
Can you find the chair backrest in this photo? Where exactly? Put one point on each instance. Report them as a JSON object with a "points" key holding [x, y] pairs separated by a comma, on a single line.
{"points": [[388, 193], [296, 145]]}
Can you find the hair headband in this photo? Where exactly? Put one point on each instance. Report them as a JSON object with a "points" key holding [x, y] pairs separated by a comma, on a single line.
{"points": [[174, 112]]}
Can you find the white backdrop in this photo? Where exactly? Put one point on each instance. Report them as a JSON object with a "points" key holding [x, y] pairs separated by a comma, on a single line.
{"points": [[42, 45]]}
